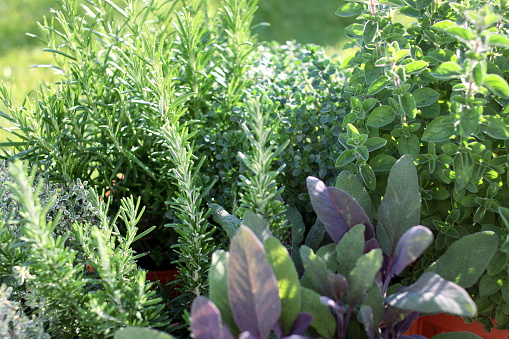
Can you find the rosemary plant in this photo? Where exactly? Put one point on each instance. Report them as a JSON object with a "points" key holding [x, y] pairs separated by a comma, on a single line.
{"points": [[261, 193]]}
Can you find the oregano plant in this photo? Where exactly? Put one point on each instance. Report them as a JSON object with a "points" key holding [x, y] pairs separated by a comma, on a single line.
{"points": [[435, 89]]}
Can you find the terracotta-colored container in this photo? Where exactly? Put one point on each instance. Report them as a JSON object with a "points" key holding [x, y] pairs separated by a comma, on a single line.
{"points": [[431, 325], [165, 277]]}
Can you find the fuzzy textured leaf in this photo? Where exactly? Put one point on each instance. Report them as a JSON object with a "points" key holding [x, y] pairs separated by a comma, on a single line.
{"points": [[432, 294], [206, 321], [253, 289], [323, 321], [218, 284], [401, 206], [287, 279], [349, 183], [362, 276], [498, 40], [466, 259], [256, 224], [315, 272], [411, 245], [350, 248], [337, 209]]}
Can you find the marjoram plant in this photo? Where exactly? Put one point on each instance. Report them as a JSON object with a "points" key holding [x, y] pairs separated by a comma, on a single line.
{"points": [[437, 90], [345, 291]]}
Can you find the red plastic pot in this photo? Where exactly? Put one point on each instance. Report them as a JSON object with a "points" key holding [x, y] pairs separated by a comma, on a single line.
{"points": [[165, 277], [431, 325]]}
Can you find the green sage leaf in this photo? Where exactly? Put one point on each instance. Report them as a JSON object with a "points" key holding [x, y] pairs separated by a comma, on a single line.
{"points": [[466, 259], [401, 206], [287, 280]]}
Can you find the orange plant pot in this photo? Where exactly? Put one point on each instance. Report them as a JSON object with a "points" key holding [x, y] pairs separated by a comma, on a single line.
{"points": [[431, 325]]}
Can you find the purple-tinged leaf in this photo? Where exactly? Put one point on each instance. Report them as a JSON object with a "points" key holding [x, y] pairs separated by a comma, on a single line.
{"points": [[401, 206], [405, 325], [413, 336], [338, 284], [337, 209], [392, 316], [371, 244], [432, 294], [253, 289], [365, 316], [333, 305], [225, 333], [410, 246], [277, 331], [206, 320], [247, 335], [301, 323]]}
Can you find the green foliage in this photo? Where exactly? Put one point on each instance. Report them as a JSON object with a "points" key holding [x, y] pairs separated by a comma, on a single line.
{"points": [[15, 323], [436, 90], [346, 282], [140, 332], [120, 81], [259, 188], [79, 281]]}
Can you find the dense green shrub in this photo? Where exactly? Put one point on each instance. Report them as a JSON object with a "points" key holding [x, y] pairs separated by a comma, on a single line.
{"points": [[150, 103], [70, 278], [437, 90]]}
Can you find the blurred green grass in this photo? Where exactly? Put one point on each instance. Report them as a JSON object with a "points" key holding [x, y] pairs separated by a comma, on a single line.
{"points": [[301, 20]]}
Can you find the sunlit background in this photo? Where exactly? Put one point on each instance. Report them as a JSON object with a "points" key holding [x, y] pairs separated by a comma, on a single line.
{"points": [[302, 20]]}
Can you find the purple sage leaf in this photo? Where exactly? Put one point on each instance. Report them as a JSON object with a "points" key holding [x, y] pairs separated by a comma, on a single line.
{"points": [[301, 323], [206, 320], [338, 284], [410, 246], [253, 289], [337, 209], [247, 335]]}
